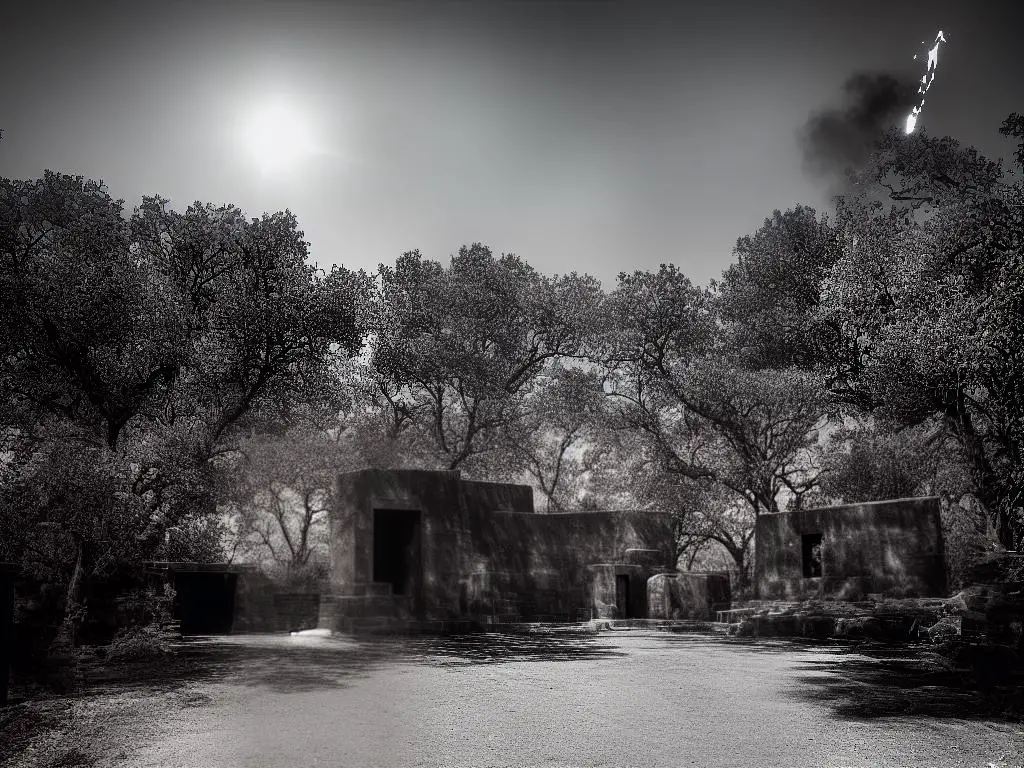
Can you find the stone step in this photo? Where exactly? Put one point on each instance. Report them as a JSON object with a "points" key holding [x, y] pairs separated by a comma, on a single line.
{"points": [[333, 607], [371, 589], [363, 625]]}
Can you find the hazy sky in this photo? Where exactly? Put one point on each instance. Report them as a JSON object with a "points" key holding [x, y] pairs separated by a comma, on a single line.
{"points": [[596, 137]]}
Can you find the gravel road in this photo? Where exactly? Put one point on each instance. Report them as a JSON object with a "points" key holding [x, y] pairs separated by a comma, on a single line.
{"points": [[627, 698]]}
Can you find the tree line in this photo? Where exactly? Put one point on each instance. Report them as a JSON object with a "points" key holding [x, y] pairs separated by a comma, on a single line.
{"points": [[184, 385]]}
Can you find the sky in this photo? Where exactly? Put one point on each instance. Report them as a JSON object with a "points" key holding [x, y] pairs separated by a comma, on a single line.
{"points": [[594, 137]]}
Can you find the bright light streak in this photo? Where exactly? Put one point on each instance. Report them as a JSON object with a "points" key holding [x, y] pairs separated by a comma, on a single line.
{"points": [[926, 81]]}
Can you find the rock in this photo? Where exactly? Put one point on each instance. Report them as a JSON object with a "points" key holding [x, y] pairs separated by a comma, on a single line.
{"points": [[943, 629], [956, 605]]}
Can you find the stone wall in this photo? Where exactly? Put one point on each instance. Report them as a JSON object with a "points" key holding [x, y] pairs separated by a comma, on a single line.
{"points": [[892, 548], [687, 595], [483, 552], [546, 563]]}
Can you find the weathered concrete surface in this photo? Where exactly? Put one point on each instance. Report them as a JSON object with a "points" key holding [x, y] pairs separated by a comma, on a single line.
{"points": [[687, 595], [621, 699], [893, 548], [482, 552]]}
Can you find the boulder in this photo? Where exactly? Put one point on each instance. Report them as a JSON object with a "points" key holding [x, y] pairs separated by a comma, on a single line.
{"points": [[944, 629]]}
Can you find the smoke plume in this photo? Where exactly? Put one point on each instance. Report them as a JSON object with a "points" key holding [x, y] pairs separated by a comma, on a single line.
{"points": [[838, 140]]}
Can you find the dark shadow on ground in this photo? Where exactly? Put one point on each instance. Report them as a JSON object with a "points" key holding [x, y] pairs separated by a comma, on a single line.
{"points": [[494, 648], [298, 664], [872, 681], [750, 644], [21, 721], [281, 663], [866, 680]]}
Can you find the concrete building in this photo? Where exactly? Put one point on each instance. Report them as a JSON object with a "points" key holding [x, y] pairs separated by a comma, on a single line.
{"points": [[421, 546], [893, 548]]}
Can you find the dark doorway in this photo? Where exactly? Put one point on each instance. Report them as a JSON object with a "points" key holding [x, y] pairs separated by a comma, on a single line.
{"points": [[7, 573], [397, 552], [622, 596], [811, 545], [205, 602]]}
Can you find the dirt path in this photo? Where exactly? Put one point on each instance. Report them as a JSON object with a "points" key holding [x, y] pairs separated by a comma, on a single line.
{"points": [[620, 699]]}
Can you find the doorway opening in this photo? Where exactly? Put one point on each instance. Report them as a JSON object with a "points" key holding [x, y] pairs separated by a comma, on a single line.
{"points": [[811, 546], [205, 602], [622, 596], [397, 557]]}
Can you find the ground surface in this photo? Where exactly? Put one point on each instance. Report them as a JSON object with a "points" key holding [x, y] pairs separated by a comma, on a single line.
{"points": [[618, 699]]}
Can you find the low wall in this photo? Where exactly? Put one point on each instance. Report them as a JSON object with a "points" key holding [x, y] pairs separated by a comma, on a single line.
{"points": [[482, 551], [687, 595], [893, 548], [545, 563], [296, 611]]}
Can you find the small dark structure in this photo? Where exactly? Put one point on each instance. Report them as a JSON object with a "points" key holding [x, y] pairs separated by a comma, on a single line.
{"points": [[413, 546], [215, 598], [893, 548], [8, 571]]}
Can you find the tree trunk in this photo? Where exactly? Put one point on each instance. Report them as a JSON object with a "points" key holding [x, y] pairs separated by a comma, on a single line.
{"points": [[990, 491], [68, 630], [63, 671], [739, 557]]}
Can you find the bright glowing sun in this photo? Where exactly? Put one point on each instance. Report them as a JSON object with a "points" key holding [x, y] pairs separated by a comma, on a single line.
{"points": [[277, 136]]}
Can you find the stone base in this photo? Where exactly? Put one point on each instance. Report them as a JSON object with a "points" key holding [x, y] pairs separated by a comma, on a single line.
{"points": [[687, 595]]}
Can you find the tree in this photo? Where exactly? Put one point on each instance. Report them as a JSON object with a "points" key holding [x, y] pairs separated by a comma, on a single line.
{"points": [[555, 440], [134, 351], [281, 503], [458, 348], [928, 293], [268, 332], [872, 463], [707, 519], [87, 333], [1013, 126], [702, 416], [768, 298], [709, 418]]}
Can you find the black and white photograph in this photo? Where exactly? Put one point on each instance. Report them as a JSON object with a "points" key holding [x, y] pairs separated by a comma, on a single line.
{"points": [[512, 384]]}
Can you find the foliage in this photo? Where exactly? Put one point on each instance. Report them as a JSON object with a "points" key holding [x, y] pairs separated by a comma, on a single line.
{"points": [[139, 643], [705, 416], [279, 507], [929, 297], [768, 297], [147, 606], [456, 349], [869, 463], [705, 425], [1013, 126], [134, 351], [556, 440]]}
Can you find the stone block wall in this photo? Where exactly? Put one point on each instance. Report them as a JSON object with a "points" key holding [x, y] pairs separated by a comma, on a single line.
{"points": [[893, 548], [687, 595], [483, 552]]}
